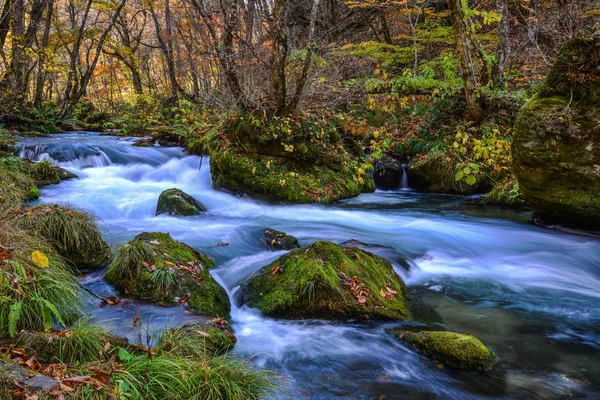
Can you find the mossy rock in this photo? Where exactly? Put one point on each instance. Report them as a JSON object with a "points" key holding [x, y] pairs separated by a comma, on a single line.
{"points": [[556, 142], [154, 266], [456, 350], [284, 160], [45, 173], [177, 202], [324, 280], [277, 240]]}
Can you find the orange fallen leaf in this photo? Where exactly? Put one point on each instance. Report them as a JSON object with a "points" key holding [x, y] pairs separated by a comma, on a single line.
{"points": [[275, 270]]}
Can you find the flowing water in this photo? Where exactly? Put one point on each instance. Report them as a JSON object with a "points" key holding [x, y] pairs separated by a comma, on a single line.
{"points": [[530, 294]]}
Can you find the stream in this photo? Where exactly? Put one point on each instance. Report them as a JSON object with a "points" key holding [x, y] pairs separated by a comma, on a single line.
{"points": [[530, 294]]}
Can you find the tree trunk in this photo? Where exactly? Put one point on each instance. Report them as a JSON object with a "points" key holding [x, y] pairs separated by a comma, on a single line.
{"points": [[503, 50], [85, 79], [310, 48], [5, 19], [41, 78], [463, 48], [276, 93]]}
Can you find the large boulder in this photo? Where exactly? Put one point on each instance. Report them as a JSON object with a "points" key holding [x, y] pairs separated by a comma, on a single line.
{"points": [[556, 139], [177, 202], [387, 173], [154, 266], [453, 349], [324, 280]]}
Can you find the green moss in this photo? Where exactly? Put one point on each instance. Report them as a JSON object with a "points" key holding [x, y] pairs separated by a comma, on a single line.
{"points": [[34, 193], [176, 202], [291, 160], [453, 349], [183, 274], [308, 284]]}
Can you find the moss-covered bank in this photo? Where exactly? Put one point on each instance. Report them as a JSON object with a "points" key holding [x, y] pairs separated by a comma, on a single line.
{"points": [[453, 349], [556, 145], [324, 280], [156, 267], [306, 160]]}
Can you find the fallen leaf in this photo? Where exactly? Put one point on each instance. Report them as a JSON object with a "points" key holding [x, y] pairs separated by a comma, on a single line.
{"points": [[40, 259], [155, 242], [275, 270], [202, 333]]}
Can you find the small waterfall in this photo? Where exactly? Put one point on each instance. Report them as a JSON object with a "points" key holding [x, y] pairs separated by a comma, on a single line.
{"points": [[70, 157], [404, 181]]}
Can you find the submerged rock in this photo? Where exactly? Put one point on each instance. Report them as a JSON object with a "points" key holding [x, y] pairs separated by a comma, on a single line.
{"points": [[156, 267], [277, 240], [456, 350], [176, 202], [387, 173], [324, 280], [556, 142]]}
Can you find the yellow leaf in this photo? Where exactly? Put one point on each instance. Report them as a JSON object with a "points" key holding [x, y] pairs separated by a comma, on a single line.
{"points": [[40, 259]]}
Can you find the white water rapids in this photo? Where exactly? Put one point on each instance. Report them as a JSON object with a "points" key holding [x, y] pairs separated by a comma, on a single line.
{"points": [[531, 294]]}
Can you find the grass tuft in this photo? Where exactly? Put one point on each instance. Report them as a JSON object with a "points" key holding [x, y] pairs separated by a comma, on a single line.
{"points": [[128, 262], [74, 233]]}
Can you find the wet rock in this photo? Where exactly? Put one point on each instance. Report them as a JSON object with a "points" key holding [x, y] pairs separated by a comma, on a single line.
{"points": [[13, 376], [42, 383], [387, 173], [460, 351], [556, 145], [154, 266], [324, 280], [277, 240], [176, 202], [144, 142]]}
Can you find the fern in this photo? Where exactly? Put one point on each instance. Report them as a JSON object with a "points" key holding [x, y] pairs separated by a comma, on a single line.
{"points": [[13, 317]]}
